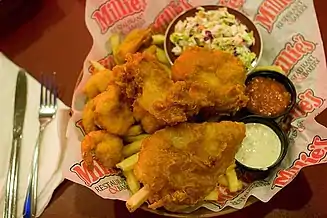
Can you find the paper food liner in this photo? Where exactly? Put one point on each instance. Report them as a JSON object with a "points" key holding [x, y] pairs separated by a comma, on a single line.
{"points": [[291, 40]]}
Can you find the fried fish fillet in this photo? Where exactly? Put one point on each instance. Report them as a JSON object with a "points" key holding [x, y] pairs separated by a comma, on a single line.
{"points": [[215, 79], [149, 123], [147, 83], [181, 164]]}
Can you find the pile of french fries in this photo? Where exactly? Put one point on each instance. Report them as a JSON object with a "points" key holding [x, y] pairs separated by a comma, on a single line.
{"points": [[135, 135], [229, 180], [133, 138], [154, 48]]}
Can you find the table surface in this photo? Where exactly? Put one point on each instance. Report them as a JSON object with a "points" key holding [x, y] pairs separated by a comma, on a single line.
{"points": [[55, 38]]}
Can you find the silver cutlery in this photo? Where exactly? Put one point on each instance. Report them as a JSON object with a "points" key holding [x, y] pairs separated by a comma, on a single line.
{"points": [[10, 206], [47, 111]]}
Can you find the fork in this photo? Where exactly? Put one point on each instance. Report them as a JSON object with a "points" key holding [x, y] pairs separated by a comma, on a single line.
{"points": [[47, 111]]}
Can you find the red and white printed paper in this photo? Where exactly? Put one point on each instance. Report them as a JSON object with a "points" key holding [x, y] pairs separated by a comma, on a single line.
{"points": [[291, 40]]}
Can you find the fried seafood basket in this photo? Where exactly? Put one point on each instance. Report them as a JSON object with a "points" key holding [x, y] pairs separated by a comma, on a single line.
{"points": [[160, 110]]}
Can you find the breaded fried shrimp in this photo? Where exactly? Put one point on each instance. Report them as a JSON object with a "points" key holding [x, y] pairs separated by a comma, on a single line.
{"points": [[88, 117], [97, 83], [103, 147], [112, 113]]}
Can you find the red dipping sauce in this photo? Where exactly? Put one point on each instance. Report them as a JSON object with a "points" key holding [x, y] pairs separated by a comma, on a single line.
{"points": [[267, 97]]}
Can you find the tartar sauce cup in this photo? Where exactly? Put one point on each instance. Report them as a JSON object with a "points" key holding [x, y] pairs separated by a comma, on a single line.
{"points": [[282, 79], [250, 166]]}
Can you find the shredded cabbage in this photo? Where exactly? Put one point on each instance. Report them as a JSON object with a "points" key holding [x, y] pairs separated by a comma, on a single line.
{"points": [[214, 29]]}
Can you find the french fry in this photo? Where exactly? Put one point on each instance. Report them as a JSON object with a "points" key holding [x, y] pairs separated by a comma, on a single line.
{"points": [[234, 184], [132, 148], [158, 39], [212, 196], [131, 180], [161, 56], [166, 68], [151, 50], [130, 139], [134, 130], [97, 66], [133, 41], [114, 41], [138, 199], [128, 163], [222, 180]]}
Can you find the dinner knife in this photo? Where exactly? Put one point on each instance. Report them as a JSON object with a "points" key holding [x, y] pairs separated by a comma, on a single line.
{"points": [[10, 205]]}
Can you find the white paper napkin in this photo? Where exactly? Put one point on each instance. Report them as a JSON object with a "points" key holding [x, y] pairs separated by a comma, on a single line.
{"points": [[52, 147]]}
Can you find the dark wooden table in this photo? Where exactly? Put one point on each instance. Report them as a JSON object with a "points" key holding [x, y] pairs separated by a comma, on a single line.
{"points": [[50, 35]]}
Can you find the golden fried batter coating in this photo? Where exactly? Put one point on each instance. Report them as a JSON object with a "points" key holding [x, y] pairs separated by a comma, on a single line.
{"points": [[215, 79], [149, 123], [97, 83], [112, 113], [204, 81], [181, 164], [103, 147], [146, 82], [88, 117]]}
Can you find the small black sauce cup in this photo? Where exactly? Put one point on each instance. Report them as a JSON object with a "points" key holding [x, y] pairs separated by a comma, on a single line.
{"points": [[257, 173], [281, 78]]}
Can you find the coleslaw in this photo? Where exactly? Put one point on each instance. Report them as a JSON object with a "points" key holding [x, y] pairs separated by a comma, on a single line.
{"points": [[214, 29]]}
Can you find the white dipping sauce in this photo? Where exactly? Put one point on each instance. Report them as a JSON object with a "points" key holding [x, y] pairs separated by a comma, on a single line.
{"points": [[260, 148]]}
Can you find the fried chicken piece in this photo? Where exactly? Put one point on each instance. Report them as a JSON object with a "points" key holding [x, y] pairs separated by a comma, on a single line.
{"points": [[112, 113], [102, 146], [132, 42], [215, 79], [180, 165]]}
